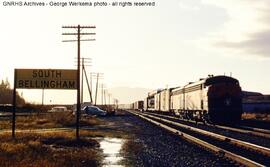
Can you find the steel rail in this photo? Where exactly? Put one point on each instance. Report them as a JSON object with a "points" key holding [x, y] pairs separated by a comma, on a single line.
{"points": [[222, 152], [252, 132], [256, 129], [254, 147]]}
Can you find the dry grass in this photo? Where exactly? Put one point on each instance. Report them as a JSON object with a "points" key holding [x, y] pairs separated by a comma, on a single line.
{"points": [[54, 149], [59, 149], [256, 116], [130, 149], [48, 150], [48, 120]]}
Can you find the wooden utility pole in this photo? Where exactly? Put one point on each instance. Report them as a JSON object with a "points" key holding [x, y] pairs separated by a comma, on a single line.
{"points": [[96, 89], [85, 62], [109, 95], [89, 87], [104, 91], [102, 94], [78, 40], [82, 81], [98, 76]]}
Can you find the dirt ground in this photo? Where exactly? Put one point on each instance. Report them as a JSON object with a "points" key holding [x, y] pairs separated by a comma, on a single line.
{"points": [[122, 140]]}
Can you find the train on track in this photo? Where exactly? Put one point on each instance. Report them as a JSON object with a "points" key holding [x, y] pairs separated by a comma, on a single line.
{"points": [[215, 99]]}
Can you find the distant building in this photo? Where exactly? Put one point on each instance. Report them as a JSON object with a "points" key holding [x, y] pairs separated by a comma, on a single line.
{"points": [[256, 102]]}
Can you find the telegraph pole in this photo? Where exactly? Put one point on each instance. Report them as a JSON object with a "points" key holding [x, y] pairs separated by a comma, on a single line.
{"points": [[109, 98], [102, 94], [103, 97], [104, 91], [78, 40], [85, 62], [89, 88], [82, 81], [96, 89], [91, 83], [98, 76], [116, 101]]}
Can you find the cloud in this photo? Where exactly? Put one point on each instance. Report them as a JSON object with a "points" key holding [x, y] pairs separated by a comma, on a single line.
{"points": [[246, 32], [257, 45]]}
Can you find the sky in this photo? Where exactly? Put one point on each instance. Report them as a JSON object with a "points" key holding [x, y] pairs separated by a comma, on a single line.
{"points": [[166, 45]]}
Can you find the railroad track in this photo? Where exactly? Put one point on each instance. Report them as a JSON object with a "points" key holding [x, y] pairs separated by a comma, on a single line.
{"points": [[265, 131], [241, 129], [242, 153]]}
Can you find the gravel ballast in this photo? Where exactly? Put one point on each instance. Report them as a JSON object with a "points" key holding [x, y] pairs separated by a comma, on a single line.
{"points": [[158, 147]]}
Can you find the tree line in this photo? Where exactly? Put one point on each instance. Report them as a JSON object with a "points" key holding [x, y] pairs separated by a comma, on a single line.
{"points": [[6, 94]]}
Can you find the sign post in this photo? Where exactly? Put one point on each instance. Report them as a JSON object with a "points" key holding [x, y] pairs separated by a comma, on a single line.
{"points": [[42, 79], [14, 105]]}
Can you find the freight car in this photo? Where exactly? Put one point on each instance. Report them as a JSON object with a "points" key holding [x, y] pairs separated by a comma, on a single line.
{"points": [[138, 105], [215, 99], [152, 100]]}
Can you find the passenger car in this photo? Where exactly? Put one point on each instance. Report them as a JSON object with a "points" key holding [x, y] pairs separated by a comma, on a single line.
{"points": [[93, 110]]}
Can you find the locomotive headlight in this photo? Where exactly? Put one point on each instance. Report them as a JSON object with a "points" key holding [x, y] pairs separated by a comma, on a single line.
{"points": [[228, 102]]}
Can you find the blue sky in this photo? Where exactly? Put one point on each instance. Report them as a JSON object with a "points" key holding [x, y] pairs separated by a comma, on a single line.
{"points": [[173, 43]]}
